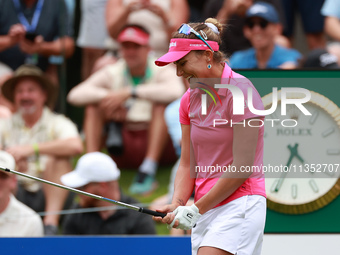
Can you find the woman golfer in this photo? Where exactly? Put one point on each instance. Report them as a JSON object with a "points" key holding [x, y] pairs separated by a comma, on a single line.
{"points": [[222, 142]]}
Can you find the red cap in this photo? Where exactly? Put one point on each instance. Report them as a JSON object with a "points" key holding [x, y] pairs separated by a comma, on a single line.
{"points": [[135, 35], [179, 47]]}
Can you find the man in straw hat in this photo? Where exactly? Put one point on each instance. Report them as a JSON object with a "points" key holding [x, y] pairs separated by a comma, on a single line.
{"points": [[40, 141], [16, 219]]}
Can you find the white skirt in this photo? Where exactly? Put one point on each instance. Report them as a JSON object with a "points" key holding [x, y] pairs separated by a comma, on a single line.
{"points": [[236, 227]]}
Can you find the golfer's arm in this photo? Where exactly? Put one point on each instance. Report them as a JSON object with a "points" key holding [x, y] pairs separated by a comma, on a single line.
{"points": [[244, 147], [184, 184]]}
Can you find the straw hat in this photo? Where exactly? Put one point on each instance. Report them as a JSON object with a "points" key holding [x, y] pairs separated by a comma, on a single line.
{"points": [[30, 71]]}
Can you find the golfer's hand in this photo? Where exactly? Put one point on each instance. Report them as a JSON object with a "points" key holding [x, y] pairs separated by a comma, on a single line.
{"points": [[185, 217], [169, 217]]}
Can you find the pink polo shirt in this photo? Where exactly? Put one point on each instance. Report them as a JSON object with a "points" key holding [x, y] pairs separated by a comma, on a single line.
{"points": [[213, 145]]}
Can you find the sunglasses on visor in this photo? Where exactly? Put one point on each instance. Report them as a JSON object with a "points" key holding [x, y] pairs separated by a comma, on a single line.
{"points": [[262, 23], [186, 29]]}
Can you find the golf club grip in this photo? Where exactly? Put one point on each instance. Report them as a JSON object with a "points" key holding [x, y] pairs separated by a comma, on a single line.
{"points": [[153, 213]]}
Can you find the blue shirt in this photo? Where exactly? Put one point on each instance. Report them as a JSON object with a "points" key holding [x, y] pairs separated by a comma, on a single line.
{"points": [[246, 59], [331, 8]]}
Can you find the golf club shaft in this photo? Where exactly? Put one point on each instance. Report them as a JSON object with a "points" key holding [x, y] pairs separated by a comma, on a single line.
{"points": [[133, 207]]}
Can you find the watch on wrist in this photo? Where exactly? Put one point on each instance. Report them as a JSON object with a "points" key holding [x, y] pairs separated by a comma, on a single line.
{"points": [[133, 92]]}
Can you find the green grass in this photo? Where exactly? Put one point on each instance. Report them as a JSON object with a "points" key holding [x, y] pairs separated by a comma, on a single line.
{"points": [[162, 177]]}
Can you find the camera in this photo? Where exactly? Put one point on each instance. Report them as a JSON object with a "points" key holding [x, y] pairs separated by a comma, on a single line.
{"points": [[31, 36]]}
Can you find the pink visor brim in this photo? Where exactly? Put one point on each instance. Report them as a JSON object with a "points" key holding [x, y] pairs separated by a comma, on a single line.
{"points": [[170, 57], [179, 47]]}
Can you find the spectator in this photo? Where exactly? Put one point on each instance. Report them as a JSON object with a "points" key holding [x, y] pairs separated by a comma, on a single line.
{"points": [[132, 94], [33, 30], [56, 61], [93, 35], [160, 18], [320, 59], [313, 21], [40, 141], [232, 13], [331, 11], [16, 219], [262, 25], [97, 173]]}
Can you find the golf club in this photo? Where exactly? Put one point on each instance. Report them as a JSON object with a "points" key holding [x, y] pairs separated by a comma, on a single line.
{"points": [[133, 207]]}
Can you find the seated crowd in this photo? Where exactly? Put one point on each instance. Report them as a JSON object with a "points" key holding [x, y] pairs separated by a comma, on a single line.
{"points": [[131, 105]]}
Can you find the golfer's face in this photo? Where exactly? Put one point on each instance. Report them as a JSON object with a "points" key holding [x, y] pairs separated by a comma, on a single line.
{"points": [[29, 96], [192, 65]]}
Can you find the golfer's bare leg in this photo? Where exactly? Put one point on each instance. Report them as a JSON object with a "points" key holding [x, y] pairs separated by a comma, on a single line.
{"points": [[55, 197], [212, 251]]}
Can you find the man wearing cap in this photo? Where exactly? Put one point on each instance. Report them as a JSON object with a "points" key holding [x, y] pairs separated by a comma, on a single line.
{"points": [[97, 173], [261, 27], [131, 94], [16, 219], [41, 142]]}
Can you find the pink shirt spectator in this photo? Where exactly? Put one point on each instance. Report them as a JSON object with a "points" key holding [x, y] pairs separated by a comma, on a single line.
{"points": [[213, 145]]}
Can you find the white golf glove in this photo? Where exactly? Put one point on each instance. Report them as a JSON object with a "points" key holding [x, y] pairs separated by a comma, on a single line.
{"points": [[187, 217]]}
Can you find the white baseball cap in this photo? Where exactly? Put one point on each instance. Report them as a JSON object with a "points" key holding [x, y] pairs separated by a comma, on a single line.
{"points": [[92, 167], [7, 160]]}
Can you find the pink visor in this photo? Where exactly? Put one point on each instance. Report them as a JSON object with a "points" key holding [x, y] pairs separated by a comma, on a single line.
{"points": [[135, 35], [179, 47]]}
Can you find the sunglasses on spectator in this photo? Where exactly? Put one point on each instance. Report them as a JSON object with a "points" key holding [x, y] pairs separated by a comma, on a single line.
{"points": [[262, 23], [3, 176], [186, 29]]}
